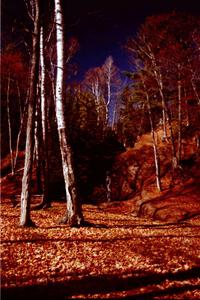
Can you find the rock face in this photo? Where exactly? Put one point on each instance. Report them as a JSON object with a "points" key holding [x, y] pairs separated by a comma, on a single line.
{"points": [[130, 172], [133, 177], [176, 205]]}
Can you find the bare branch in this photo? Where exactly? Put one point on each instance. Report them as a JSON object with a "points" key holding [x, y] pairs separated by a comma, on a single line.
{"points": [[29, 9]]}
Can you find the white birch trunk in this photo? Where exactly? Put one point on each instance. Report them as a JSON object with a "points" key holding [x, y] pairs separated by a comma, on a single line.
{"points": [[74, 213], [38, 143], [155, 150], [109, 95], [160, 84], [108, 73], [42, 86], [60, 65], [158, 78]]}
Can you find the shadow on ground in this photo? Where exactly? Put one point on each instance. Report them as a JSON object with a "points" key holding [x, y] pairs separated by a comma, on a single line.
{"points": [[107, 284]]}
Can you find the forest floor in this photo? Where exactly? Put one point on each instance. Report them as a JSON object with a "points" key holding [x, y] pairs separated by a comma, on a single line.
{"points": [[118, 256]]}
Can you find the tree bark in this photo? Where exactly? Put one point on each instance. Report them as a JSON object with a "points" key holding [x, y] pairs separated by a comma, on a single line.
{"points": [[114, 117], [174, 157], [25, 218], [109, 95], [158, 78], [73, 214], [108, 186], [179, 123], [43, 105], [19, 99], [187, 112], [163, 114], [9, 127], [155, 150], [38, 144], [19, 133]]}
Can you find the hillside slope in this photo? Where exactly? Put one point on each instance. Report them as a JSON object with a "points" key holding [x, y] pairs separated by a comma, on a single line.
{"points": [[132, 181]]}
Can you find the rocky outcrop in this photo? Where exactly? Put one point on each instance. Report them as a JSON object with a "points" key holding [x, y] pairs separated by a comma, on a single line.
{"points": [[133, 177], [175, 205], [130, 172]]}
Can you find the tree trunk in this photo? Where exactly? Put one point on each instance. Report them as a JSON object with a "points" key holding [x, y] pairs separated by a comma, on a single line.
{"points": [[95, 90], [43, 104], [114, 117], [19, 99], [9, 127], [74, 212], [174, 157], [25, 218], [163, 114], [38, 144], [187, 112], [179, 123], [156, 156], [108, 186], [141, 120], [19, 134], [155, 150], [108, 100], [158, 78]]}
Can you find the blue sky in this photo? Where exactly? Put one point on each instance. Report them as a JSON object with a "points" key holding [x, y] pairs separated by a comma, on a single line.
{"points": [[102, 26]]}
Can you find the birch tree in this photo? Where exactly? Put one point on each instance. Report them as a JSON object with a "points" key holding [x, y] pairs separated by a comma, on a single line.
{"points": [[153, 134], [25, 218], [113, 84], [38, 143], [142, 95], [152, 54], [141, 48], [94, 81], [73, 214], [44, 125]]}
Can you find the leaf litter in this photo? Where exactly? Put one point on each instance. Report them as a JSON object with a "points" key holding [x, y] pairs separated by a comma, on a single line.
{"points": [[124, 256]]}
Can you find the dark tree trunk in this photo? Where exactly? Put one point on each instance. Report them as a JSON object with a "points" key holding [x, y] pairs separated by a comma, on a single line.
{"points": [[174, 157], [20, 104], [21, 128], [44, 111], [9, 127], [25, 219], [179, 123]]}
